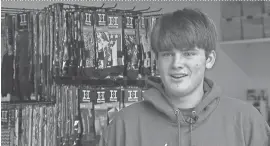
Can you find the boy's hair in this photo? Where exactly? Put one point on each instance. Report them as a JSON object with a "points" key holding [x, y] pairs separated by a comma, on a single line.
{"points": [[184, 29]]}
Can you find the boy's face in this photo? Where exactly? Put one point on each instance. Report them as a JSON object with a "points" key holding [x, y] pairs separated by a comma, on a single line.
{"points": [[183, 71]]}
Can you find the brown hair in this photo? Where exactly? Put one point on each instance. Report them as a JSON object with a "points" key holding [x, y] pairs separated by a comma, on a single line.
{"points": [[184, 29]]}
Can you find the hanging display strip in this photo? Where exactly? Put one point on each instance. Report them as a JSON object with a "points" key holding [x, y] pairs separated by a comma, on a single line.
{"points": [[131, 47], [99, 105], [40, 124], [88, 45], [65, 113]]}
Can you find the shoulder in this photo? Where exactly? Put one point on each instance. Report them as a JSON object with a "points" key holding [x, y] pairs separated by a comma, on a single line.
{"points": [[239, 108], [130, 114], [133, 111]]}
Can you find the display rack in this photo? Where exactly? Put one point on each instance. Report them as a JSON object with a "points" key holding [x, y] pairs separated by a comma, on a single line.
{"points": [[63, 101]]}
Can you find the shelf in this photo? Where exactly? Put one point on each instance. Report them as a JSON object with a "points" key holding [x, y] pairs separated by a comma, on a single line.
{"points": [[30, 102], [98, 82], [261, 40]]}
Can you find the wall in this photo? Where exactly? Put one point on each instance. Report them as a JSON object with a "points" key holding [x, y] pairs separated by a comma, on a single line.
{"points": [[253, 59], [226, 73]]}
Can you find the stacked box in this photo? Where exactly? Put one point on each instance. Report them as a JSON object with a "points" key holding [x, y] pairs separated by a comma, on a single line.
{"points": [[252, 8], [266, 24], [252, 27], [231, 29], [267, 7], [230, 9]]}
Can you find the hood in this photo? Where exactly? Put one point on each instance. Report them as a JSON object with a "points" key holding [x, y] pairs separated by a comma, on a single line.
{"points": [[157, 97]]}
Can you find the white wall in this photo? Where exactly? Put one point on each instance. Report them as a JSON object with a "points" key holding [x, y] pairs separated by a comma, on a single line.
{"points": [[226, 73], [253, 59]]}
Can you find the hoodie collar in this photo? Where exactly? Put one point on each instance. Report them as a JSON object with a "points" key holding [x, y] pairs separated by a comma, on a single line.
{"points": [[157, 97]]}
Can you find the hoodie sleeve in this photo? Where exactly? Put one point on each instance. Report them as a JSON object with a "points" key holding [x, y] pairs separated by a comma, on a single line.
{"points": [[255, 128], [114, 134]]}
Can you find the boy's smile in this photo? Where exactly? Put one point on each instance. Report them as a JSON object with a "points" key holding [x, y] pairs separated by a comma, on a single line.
{"points": [[182, 71]]}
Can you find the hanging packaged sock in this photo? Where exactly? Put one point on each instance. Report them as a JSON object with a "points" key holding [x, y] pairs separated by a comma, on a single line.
{"points": [[45, 127], [30, 125], [56, 58], [22, 127], [51, 25], [14, 35], [6, 73], [3, 52], [77, 122], [50, 125], [3, 38], [40, 125], [50, 56], [131, 48], [25, 126], [114, 55], [40, 56], [80, 44], [62, 116], [139, 46], [101, 116], [61, 38], [43, 57], [22, 44], [35, 54], [72, 43], [11, 124], [65, 117], [154, 70], [17, 126], [132, 95], [86, 97], [76, 48], [34, 128], [146, 47], [7, 60], [37, 124], [89, 45], [31, 56], [57, 114], [47, 58], [4, 126], [102, 43], [70, 116], [54, 125], [66, 59], [113, 101]]}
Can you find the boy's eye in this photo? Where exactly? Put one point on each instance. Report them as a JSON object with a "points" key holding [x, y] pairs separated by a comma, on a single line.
{"points": [[167, 54], [189, 53]]}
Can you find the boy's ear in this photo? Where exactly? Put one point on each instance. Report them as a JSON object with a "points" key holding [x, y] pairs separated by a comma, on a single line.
{"points": [[211, 59]]}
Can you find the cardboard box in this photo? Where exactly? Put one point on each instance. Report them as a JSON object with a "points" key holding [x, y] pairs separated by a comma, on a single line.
{"points": [[266, 22], [252, 28], [267, 6], [230, 9], [231, 29], [252, 8]]}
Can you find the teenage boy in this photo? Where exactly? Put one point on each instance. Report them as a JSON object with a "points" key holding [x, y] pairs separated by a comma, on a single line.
{"points": [[187, 109]]}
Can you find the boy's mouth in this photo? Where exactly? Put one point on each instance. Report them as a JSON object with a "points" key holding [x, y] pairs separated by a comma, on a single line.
{"points": [[178, 76]]}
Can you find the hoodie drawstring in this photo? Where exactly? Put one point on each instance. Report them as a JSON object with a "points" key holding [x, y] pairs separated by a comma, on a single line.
{"points": [[177, 112], [191, 120], [191, 134]]}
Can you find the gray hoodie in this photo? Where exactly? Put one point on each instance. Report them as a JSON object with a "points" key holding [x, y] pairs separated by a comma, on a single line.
{"points": [[216, 121]]}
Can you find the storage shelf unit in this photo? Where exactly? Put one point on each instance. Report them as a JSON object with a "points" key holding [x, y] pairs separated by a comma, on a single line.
{"points": [[243, 22], [260, 40]]}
